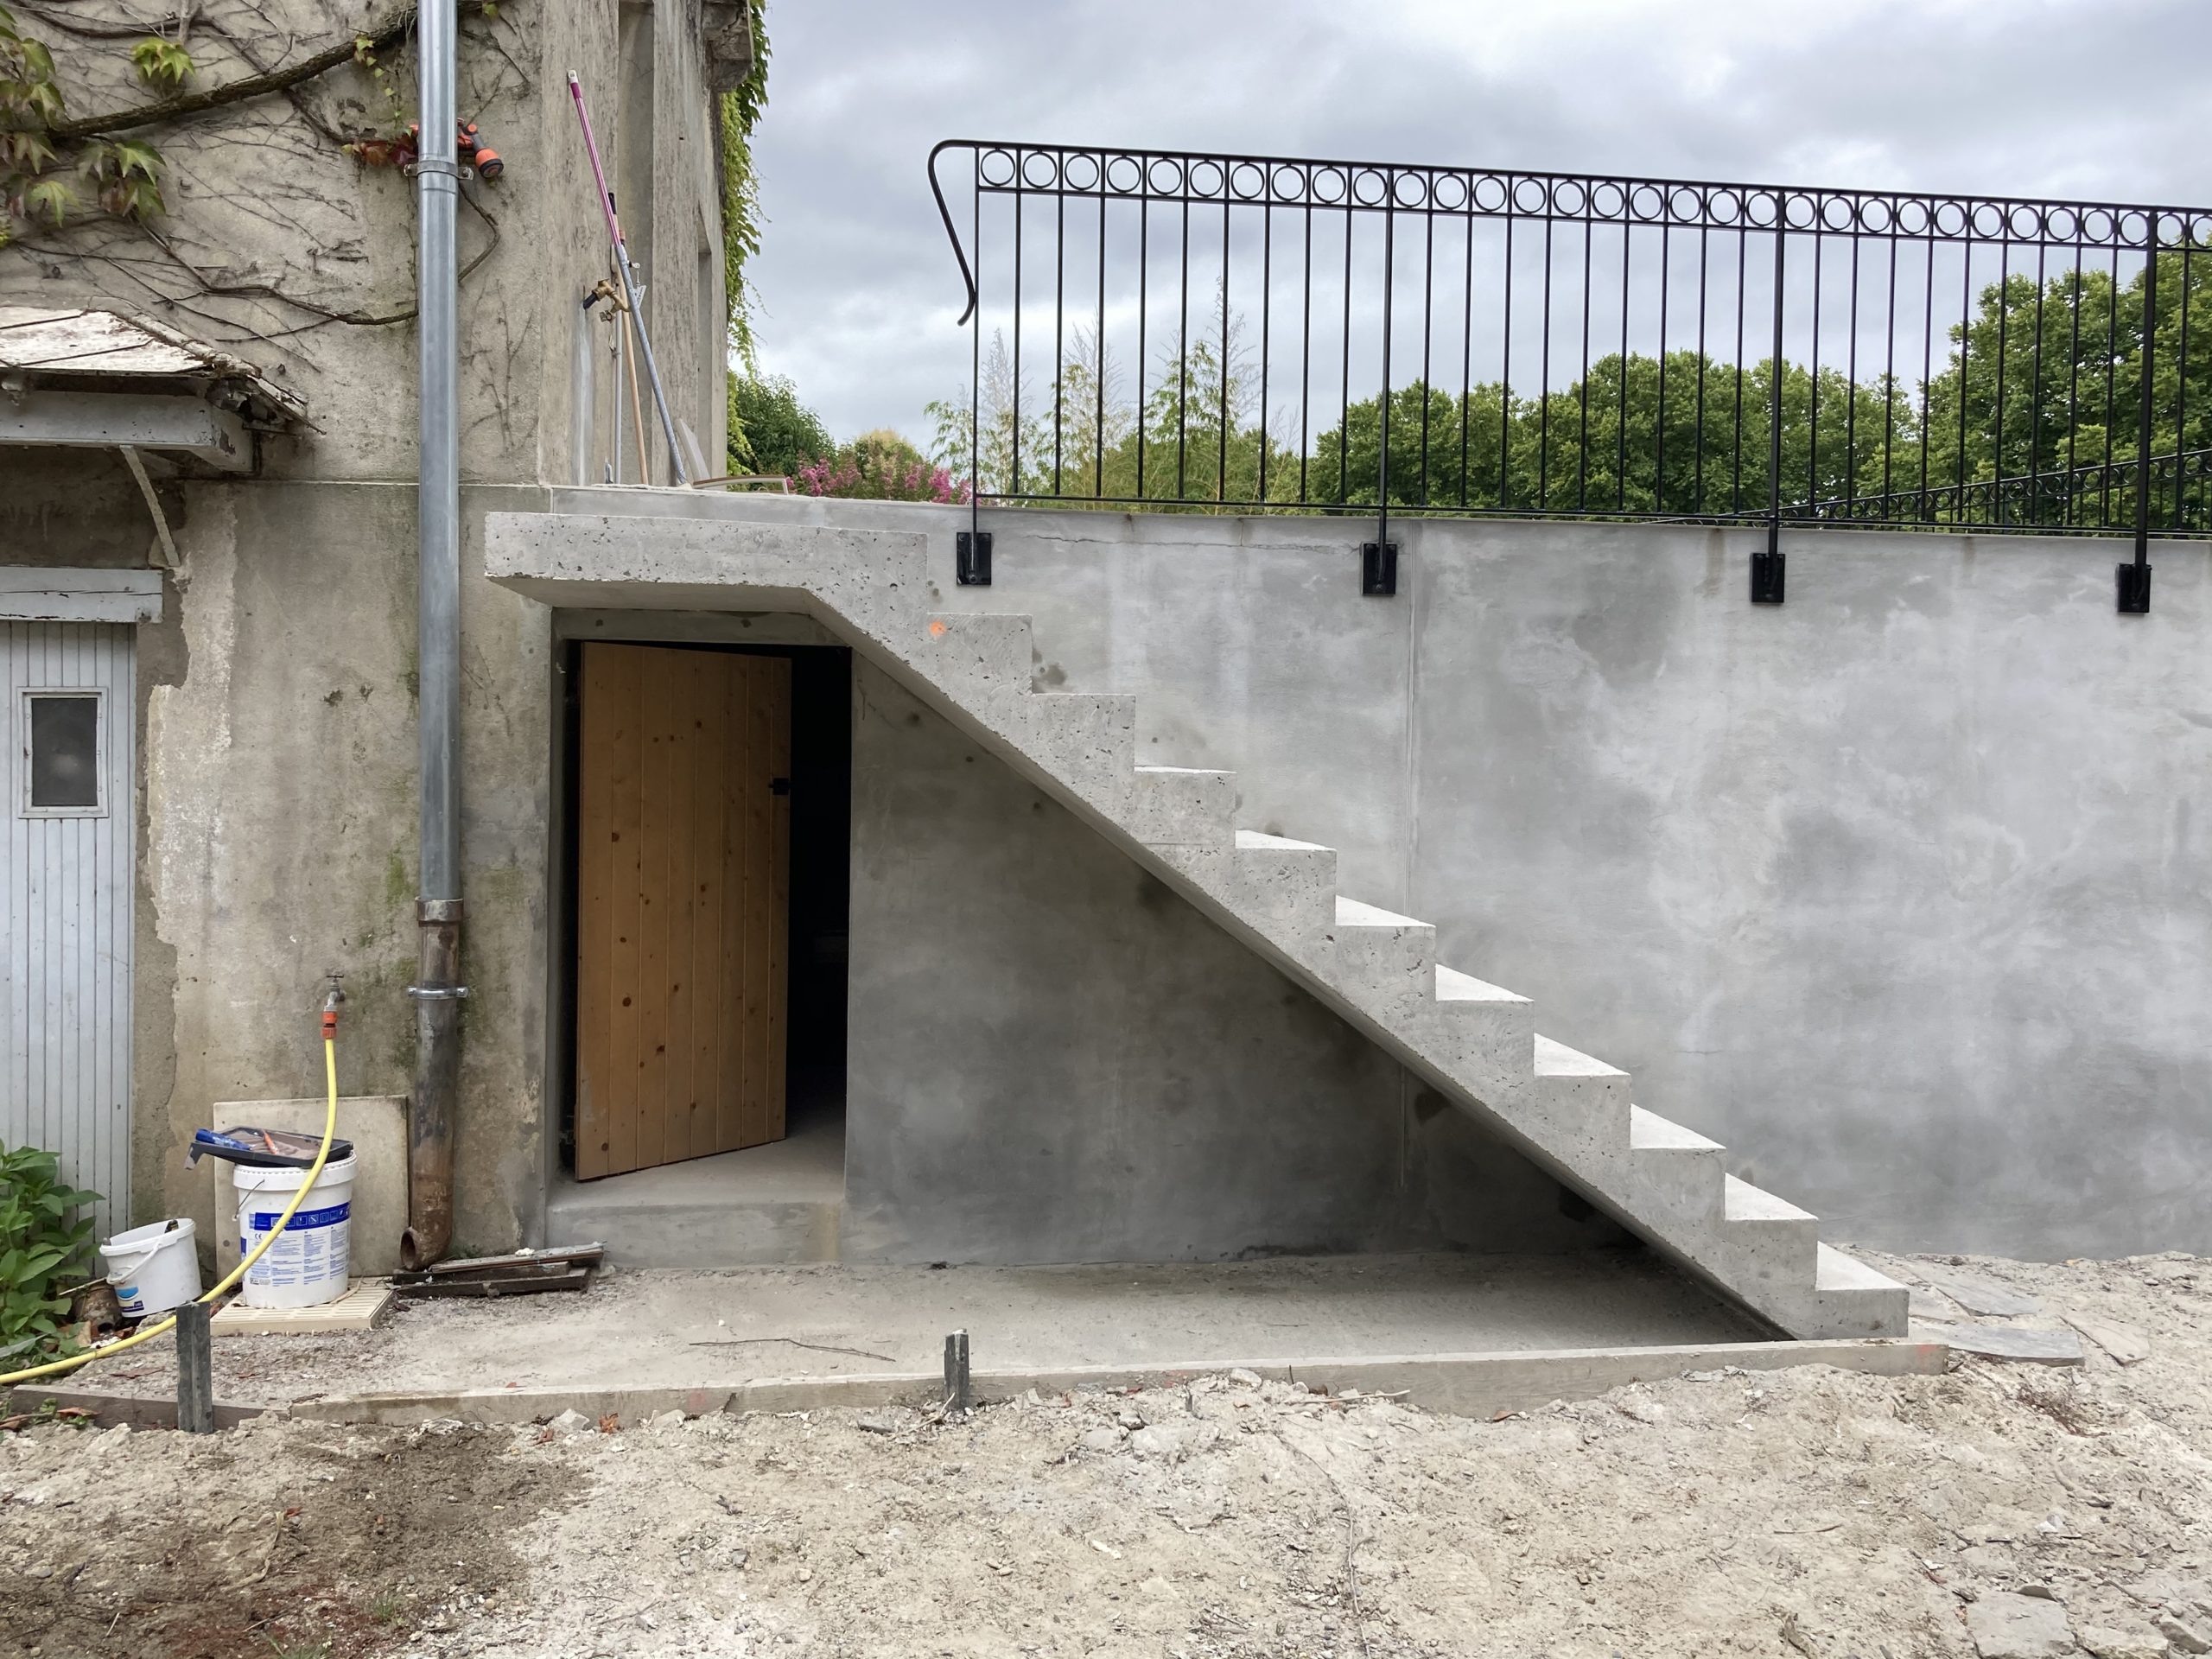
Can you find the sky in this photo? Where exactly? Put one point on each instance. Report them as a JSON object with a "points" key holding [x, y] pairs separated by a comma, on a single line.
{"points": [[858, 289]]}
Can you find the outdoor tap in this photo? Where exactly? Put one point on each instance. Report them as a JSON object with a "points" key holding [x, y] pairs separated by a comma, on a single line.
{"points": [[334, 1000]]}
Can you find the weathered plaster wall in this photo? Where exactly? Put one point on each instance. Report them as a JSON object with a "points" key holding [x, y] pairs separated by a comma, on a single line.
{"points": [[1899, 889], [281, 833], [284, 250], [1054, 1058]]}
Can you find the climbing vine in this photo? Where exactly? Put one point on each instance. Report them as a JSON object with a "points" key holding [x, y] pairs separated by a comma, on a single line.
{"points": [[740, 112], [94, 187], [45, 176]]}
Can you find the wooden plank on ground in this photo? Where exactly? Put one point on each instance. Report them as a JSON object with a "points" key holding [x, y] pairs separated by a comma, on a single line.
{"points": [[363, 1307]]}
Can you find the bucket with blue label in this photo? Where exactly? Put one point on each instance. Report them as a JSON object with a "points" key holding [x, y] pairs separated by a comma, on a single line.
{"points": [[306, 1266]]}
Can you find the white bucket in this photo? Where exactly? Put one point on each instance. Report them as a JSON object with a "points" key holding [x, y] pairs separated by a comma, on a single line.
{"points": [[306, 1266], [153, 1268]]}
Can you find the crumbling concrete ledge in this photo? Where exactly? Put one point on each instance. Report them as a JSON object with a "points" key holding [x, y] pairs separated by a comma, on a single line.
{"points": [[1470, 1385]]}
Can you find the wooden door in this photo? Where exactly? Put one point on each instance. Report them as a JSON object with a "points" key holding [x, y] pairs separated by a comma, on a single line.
{"points": [[682, 903]]}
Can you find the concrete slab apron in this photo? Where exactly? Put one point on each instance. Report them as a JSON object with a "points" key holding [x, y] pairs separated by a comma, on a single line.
{"points": [[1469, 1385]]}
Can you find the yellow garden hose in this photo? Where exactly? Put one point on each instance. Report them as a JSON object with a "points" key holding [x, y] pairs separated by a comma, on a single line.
{"points": [[329, 1133]]}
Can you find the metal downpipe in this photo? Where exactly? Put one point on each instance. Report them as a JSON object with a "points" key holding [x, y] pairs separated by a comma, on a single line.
{"points": [[437, 991]]}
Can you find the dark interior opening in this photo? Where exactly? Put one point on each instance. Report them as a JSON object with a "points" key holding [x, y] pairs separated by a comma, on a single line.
{"points": [[820, 884]]}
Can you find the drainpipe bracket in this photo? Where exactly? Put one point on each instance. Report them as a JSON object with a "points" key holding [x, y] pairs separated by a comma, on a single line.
{"points": [[438, 910], [437, 993]]}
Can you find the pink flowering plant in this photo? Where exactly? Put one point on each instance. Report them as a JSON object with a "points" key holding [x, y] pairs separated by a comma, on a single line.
{"points": [[879, 466]]}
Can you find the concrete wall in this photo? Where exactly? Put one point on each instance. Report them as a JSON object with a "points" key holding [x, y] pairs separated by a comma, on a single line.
{"points": [[1052, 1058], [276, 815], [1900, 889], [276, 715]]}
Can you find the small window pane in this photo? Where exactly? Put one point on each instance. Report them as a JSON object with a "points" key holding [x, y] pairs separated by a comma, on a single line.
{"points": [[64, 752]]}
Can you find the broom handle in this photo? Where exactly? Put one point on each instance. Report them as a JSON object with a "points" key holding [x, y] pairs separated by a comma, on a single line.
{"points": [[629, 283]]}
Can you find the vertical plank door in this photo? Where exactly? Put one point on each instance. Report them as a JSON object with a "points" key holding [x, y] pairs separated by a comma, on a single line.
{"points": [[682, 903], [68, 781]]}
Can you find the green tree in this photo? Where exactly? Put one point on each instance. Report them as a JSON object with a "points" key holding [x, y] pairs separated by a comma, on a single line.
{"points": [[771, 431], [2045, 409]]}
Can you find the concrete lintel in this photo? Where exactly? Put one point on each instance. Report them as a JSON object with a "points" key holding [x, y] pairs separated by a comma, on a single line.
{"points": [[1464, 1384], [33, 592], [107, 420]]}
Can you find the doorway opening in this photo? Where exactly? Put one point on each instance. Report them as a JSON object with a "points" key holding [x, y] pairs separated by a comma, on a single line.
{"points": [[708, 807]]}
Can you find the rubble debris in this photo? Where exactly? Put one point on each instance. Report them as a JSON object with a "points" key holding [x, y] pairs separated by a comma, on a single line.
{"points": [[522, 1274]]}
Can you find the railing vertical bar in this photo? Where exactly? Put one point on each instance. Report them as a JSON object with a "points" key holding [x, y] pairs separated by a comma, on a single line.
{"points": [[1059, 319], [2181, 381], [1014, 469], [976, 362], [2073, 388], [1544, 368], [1889, 373], [1144, 308], [1774, 390], [1996, 514], [2034, 395], [1743, 306], [1505, 368], [1620, 409], [1389, 290], [1220, 461], [1704, 300], [1344, 410], [1965, 346], [1928, 386], [1306, 350], [1466, 341], [1098, 346], [1666, 293], [1428, 320], [2112, 387], [2148, 373], [1850, 401], [1814, 473], [1183, 348], [1582, 439], [1267, 316]]}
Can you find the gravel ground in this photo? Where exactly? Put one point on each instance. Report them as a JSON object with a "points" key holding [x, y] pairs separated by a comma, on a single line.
{"points": [[2003, 1510]]}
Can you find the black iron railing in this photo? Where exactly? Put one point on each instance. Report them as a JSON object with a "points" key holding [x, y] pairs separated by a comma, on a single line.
{"points": [[1228, 332]]}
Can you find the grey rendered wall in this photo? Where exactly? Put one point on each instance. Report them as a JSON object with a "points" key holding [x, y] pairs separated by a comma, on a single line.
{"points": [[1054, 1058], [1900, 889]]}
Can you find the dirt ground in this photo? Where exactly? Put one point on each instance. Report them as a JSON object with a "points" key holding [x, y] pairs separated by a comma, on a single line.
{"points": [[2003, 1510]]}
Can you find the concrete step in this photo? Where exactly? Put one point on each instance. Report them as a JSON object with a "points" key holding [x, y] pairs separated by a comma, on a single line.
{"points": [[1385, 963], [1484, 1035], [779, 1205], [1088, 742], [1774, 1244], [1679, 1168], [1576, 1108], [1287, 889], [1181, 806]]}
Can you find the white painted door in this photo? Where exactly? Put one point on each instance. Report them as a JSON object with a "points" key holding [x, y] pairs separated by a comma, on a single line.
{"points": [[67, 708]]}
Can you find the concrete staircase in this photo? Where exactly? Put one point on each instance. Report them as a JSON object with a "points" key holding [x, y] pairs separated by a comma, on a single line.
{"points": [[1475, 1042]]}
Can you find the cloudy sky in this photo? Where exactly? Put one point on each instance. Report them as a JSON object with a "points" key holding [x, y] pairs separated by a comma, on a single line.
{"points": [[2106, 99]]}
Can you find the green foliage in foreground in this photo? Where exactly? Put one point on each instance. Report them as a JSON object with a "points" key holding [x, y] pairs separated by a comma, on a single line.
{"points": [[43, 1242]]}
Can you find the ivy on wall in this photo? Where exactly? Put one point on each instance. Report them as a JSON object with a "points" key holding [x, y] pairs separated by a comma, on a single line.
{"points": [[740, 111]]}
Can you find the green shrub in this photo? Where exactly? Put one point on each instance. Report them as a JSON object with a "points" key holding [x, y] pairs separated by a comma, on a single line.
{"points": [[43, 1245]]}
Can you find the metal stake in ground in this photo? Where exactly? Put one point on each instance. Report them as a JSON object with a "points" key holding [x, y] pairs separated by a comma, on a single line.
{"points": [[959, 1395], [196, 1370], [630, 286]]}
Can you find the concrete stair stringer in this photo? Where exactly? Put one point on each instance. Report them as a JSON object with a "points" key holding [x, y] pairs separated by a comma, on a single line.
{"points": [[1474, 1042]]}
